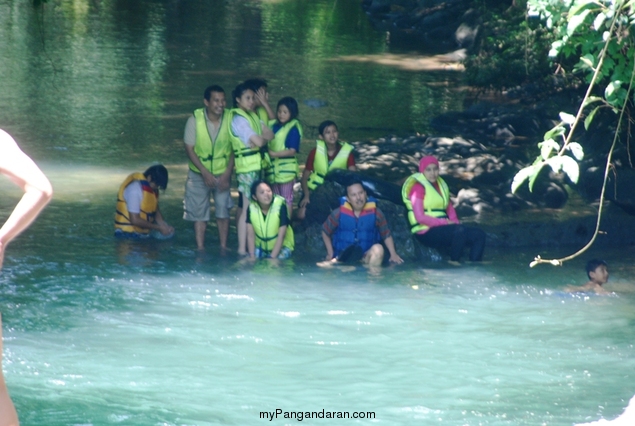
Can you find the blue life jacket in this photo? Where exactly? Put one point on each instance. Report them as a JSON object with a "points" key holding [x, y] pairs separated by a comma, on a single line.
{"points": [[356, 230]]}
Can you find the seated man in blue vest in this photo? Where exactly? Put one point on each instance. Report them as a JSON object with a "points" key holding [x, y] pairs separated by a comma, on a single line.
{"points": [[137, 214], [354, 232]]}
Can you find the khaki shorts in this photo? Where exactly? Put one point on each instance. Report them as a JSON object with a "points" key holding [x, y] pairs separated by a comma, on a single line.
{"points": [[196, 205]]}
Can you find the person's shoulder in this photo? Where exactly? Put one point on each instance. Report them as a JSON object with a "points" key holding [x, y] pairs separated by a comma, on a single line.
{"points": [[588, 286]]}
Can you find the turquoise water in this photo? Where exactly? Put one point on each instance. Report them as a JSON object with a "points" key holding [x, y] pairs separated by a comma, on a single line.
{"points": [[163, 337], [99, 332]]}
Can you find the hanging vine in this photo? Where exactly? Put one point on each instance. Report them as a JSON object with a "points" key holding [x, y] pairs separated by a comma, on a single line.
{"points": [[581, 26]]}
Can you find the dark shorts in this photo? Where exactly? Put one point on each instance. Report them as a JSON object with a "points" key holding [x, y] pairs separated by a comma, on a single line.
{"points": [[354, 254]]}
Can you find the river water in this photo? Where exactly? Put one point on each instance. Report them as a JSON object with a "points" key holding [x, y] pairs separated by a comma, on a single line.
{"points": [[98, 332]]}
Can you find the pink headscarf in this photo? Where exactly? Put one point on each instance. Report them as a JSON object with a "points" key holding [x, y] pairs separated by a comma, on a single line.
{"points": [[426, 161]]}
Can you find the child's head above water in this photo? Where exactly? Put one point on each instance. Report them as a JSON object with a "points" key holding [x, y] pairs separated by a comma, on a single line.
{"points": [[597, 271]]}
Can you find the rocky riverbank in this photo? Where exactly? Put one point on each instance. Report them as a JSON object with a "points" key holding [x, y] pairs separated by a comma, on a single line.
{"points": [[480, 150]]}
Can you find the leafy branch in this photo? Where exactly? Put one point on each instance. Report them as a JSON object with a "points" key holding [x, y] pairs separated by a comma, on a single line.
{"points": [[558, 142]]}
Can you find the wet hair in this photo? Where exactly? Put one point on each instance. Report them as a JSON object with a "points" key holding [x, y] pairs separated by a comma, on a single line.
{"points": [[238, 92], [256, 83], [291, 104], [593, 264], [323, 125], [214, 88], [255, 185], [159, 175], [353, 180]]}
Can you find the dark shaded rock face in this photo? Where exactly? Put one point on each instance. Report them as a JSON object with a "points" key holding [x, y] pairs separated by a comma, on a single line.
{"points": [[435, 25], [620, 186], [479, 175]]}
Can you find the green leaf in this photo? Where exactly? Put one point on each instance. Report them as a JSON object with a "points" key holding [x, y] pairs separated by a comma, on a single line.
{"points": [[532, 179], [571, 168], [555, 163], [598, 21], [555, 132], [611, 87], [579, 5], [576, 150], [547, 147], [589, 119], [575, 21], [567, 118], [588, 60], [555, 48], [592, 99], [521, 177]]}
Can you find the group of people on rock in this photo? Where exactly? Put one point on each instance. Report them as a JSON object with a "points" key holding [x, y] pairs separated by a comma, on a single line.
{"points": [[261, 145]]}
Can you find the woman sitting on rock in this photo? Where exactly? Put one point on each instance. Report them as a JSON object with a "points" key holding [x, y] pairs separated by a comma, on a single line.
{"points": [[432, 217]]}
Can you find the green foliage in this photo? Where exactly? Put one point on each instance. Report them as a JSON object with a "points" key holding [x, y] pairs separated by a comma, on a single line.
{"points": [[510, 50], [583, 30], [598, 36], [553, 153]]}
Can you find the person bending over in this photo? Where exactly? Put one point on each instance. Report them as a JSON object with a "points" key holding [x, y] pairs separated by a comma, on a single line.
{"points": [[355, 230], [137, 214], [432, 217]]}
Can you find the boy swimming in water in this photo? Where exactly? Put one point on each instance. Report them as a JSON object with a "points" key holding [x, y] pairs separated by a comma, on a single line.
{"points": [[598, 273]]}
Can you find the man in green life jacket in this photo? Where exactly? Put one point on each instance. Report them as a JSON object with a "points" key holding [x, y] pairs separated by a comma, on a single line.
{"points": [[211, 162]]}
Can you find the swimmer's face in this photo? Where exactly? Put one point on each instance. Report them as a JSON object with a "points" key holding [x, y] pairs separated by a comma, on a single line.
{"points": [[283, 114], [600, 275], [356, 196], [246, 100], [330, 135], [216, 103], [264, 195], [431, 172]]}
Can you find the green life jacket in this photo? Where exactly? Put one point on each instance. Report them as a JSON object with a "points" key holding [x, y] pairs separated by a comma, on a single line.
{"points": [[214, 155], [434, 204], [261, 112], [321, 162], [246, 159], [266, 229], [282, 169]]}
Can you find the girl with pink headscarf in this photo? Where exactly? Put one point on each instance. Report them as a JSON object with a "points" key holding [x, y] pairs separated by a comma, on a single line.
{"points": [[432, 217]]}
